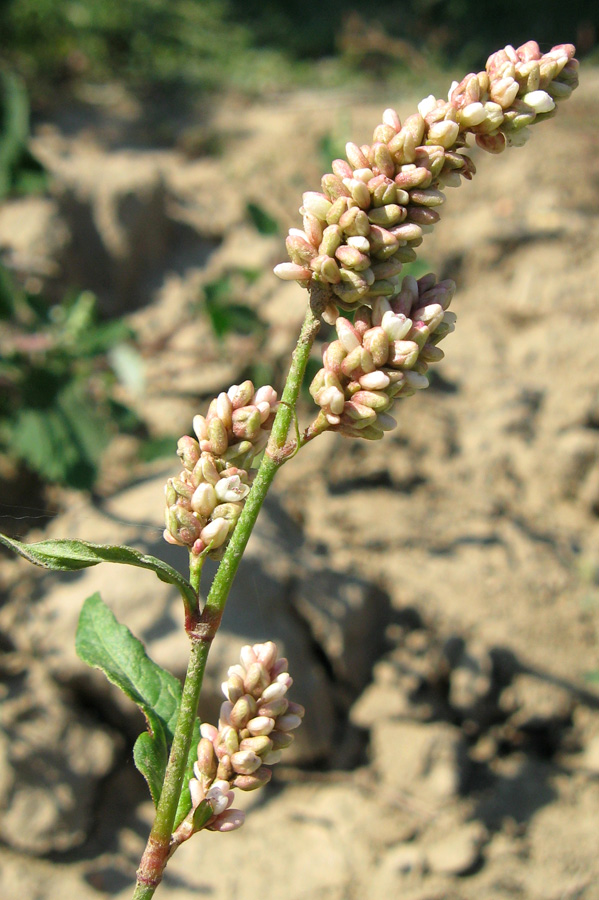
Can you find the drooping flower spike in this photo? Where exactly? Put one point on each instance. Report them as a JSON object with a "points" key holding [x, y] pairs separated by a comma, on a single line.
{"points": [[383, 355], [205, 500], [255, 725], [376, 205]]}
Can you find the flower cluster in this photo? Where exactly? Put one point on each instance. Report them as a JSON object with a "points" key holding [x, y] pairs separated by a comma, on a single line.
{"points": [[383, 355], [205, 500], [254, 728], [376, 205]]}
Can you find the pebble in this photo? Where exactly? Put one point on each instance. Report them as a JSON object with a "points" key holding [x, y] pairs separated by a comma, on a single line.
{"points": [[459, 852]]}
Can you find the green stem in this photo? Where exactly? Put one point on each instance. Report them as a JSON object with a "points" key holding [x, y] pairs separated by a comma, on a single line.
{"points": [[157, 849], [202, 632], [277, 452]]}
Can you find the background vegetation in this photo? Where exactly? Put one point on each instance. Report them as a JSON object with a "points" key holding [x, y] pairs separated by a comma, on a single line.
{"points": [[208, 44]]}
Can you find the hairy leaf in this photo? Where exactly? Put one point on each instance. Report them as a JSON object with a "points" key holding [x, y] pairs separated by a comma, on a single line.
{"points": [[150, 755], [70, 555], [105, 644]]}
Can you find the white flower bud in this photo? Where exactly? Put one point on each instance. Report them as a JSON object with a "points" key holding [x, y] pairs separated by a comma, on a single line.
{"points": [[395, 326], [204, 499], [288, 271], [427, 105], [261, 725], [540, 101], [473, 114], [215, 533]]}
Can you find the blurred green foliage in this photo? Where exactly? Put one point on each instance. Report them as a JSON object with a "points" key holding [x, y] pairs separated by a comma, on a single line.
{"points": [[58, 409], [192, 43], [262, 221], [212, 44], [459, 31], [20, 172], [222, 302]]}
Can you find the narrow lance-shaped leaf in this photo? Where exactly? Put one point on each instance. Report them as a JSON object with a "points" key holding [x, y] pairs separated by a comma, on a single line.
{"points": [[70, 555], [107, 645]]}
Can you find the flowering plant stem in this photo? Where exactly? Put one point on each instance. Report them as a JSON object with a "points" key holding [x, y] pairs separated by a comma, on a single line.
{"points": [[202, 626]]}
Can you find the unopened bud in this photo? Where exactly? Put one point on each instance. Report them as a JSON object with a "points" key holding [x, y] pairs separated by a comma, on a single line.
{"points": [[245, 762], [333, 187], [316, 204], [251, 782], [386, 216], [215, 533], [188, 451], [204, 499]]}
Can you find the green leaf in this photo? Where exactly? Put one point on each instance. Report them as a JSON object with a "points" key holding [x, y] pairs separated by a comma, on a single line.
{"points": [[150, 755], [69, 556], [262, 221], [61, 435], [158, 447], [14, 131], [225, 315], [105, 644]]}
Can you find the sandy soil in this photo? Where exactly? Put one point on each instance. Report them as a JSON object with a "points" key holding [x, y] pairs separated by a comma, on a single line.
{"points": [[439, 589]]}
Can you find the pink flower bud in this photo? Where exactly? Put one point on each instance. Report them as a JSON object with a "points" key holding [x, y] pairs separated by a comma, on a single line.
{"points": [[316, 204], [274, 692], [229, 820], [430, 197], [382, 134], [188, 451], [300, 249], [383, 159], [233, 688], [292, 272], [333, 187], [339, 206], [412, 176], [376, 342], [261, 725], [342, 169], [215, 533], [332, 237], [208, 731], [273, 708], [386, 216], [251, 782], [246, 422], [391, 118], [504, 91], [351, 258], [364, 175], [313, 228], [443, 133], [245, 762], [355, 156], [359, 192], [355, 222], [242, 711]]}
